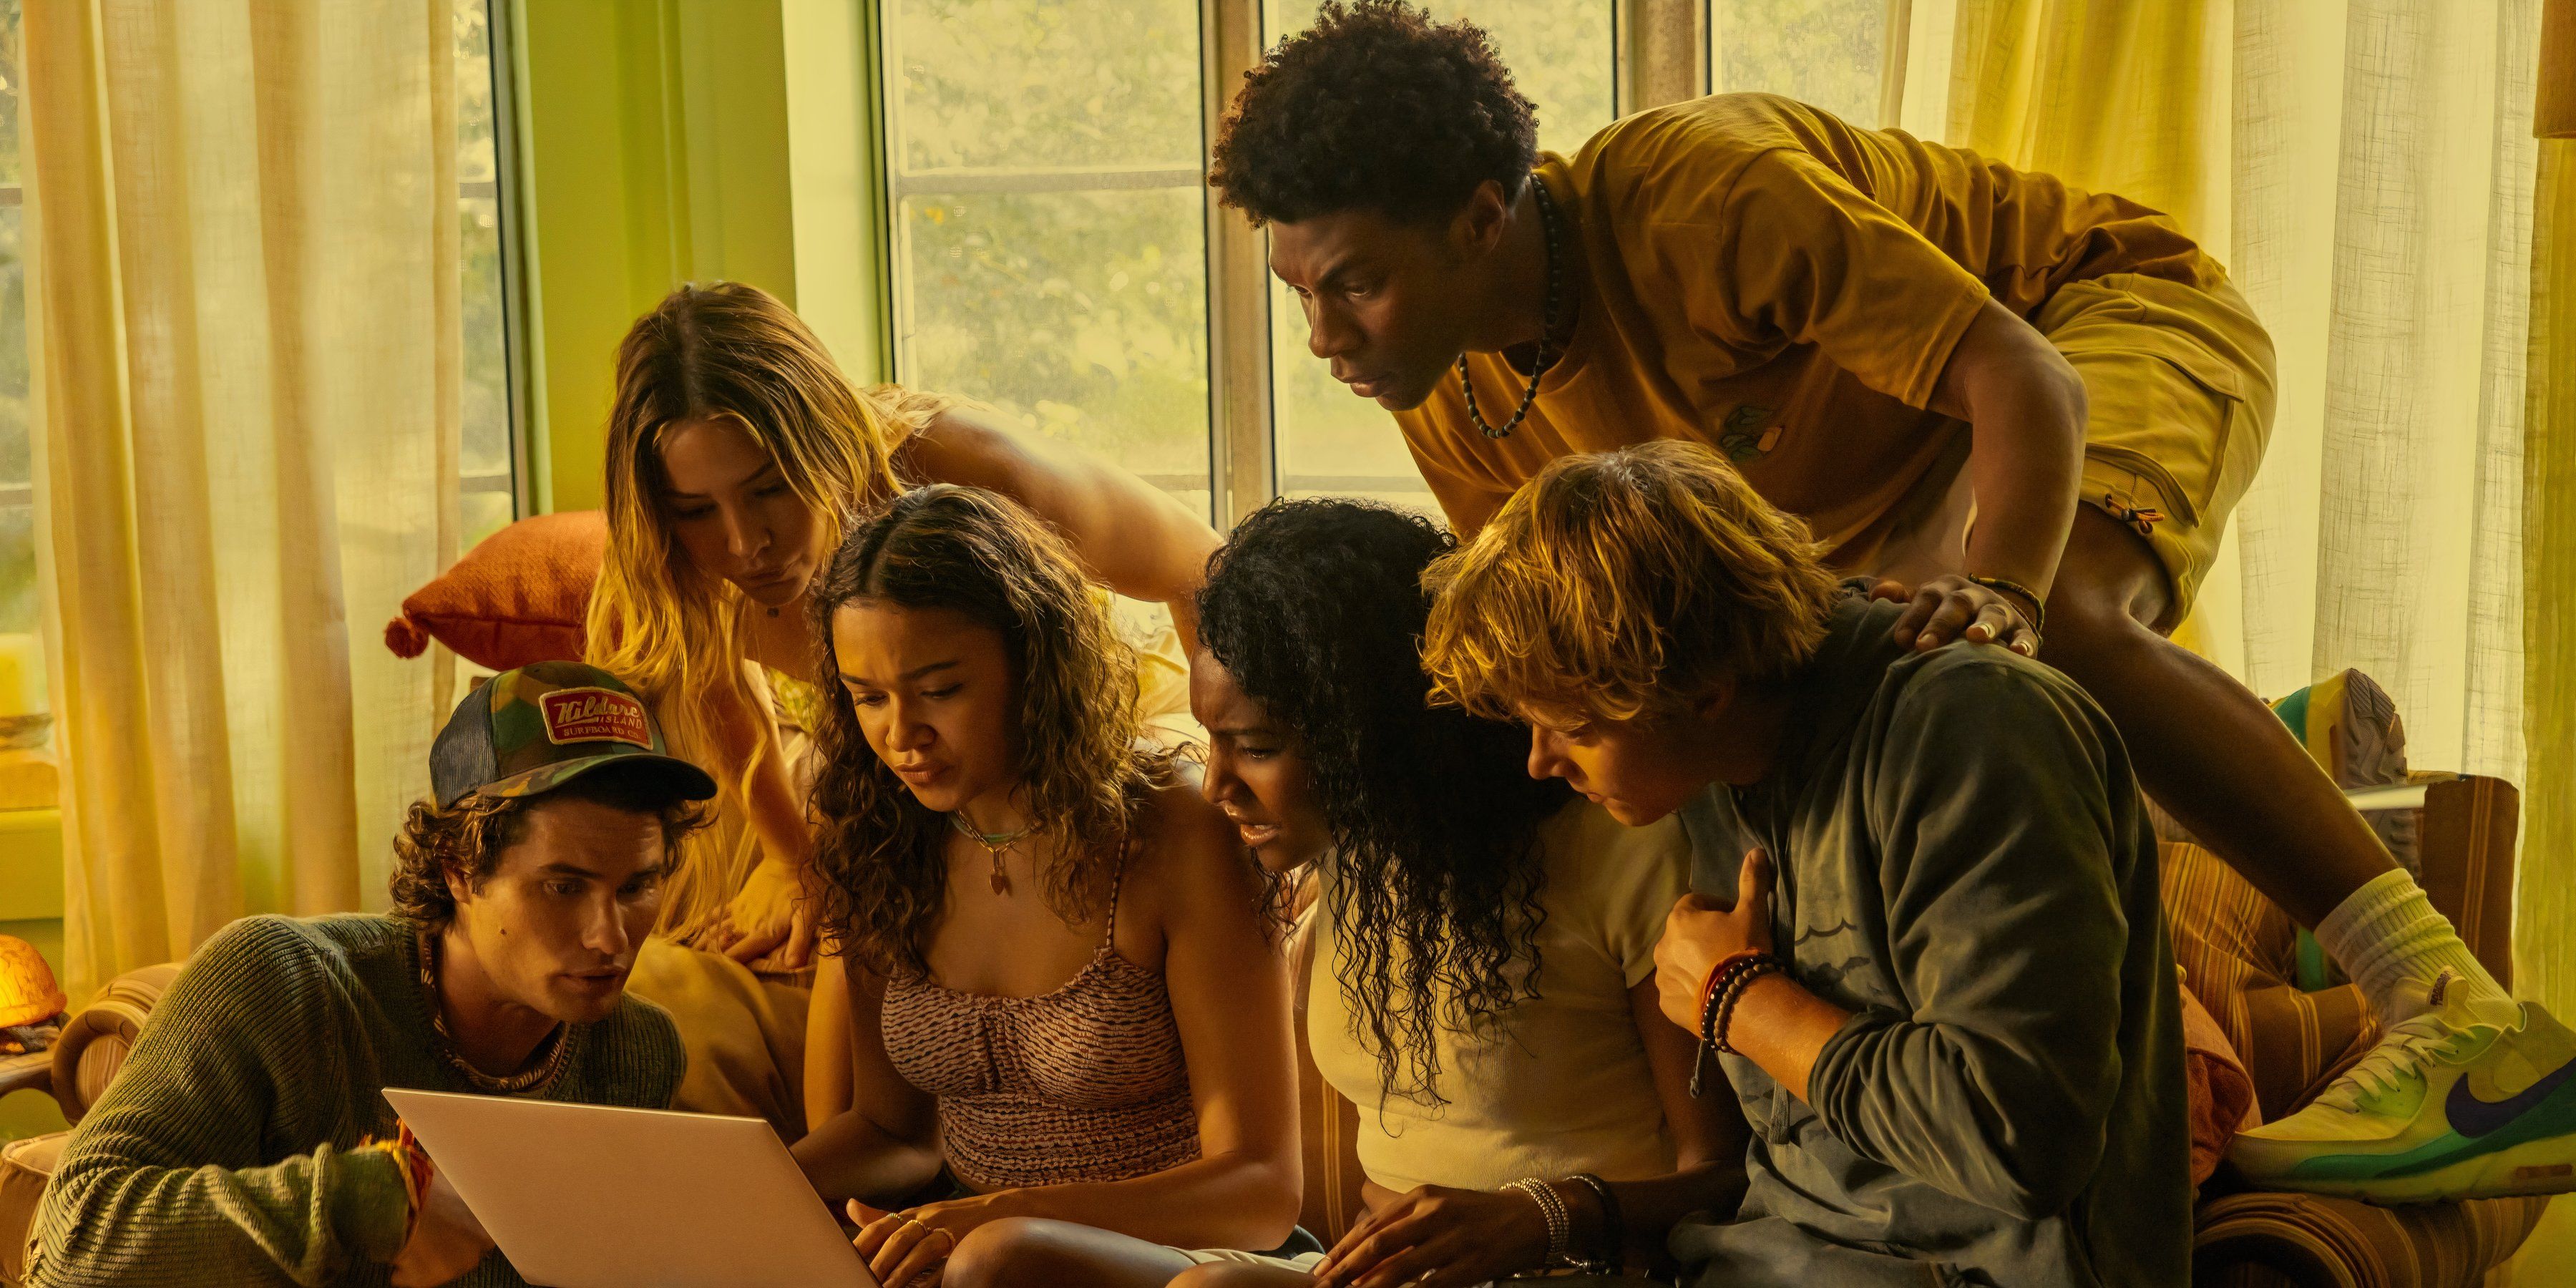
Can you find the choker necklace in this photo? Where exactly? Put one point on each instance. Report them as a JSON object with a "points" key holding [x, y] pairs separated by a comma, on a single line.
{"points": [[1547, 325], [539, 1074], [995, 844]]}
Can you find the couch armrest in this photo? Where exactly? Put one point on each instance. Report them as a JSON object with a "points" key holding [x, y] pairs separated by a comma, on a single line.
{"points": [[94, 1041]]}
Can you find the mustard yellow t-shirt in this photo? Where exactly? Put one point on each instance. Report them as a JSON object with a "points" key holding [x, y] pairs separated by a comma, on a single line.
{"points": [[1558, 1083], [1758, 275]]}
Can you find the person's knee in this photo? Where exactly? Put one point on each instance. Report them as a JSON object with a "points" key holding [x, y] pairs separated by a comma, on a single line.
{"points": [[1012, 1250]]}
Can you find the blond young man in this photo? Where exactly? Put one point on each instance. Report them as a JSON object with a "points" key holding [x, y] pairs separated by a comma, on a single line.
{"points": [[1942, 986], [1959, 1042]]}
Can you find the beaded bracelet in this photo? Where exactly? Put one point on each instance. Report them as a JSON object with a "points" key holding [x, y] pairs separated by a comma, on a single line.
{"points": [[1766, 964], [1613, 1250], [1708, 990], [1560, 1223], [1717, 1002]]}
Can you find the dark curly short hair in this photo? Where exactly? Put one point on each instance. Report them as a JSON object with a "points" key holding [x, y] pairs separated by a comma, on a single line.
{"points": [[1316, 608], [1375, 107], [466, 839]]}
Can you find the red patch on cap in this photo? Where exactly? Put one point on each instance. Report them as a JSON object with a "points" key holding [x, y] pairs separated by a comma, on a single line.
{"points": [[595, 715]]}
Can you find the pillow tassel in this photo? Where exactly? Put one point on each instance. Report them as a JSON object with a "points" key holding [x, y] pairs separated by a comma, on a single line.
{"points": [[406, 637]]}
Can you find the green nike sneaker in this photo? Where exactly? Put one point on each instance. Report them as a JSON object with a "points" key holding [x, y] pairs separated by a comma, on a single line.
{"points": [[2450, 1105]]}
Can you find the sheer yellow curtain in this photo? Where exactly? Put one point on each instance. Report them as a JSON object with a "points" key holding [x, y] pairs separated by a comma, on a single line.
{"points": [[2364, 167], [2128, 98], [242, 273], [2367, 170]]}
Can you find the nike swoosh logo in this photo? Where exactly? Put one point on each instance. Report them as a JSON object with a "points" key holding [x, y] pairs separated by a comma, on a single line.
{"points": [[2473, 1117]]}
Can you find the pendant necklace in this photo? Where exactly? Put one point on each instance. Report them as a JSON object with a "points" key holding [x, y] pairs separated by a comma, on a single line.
{"points": [[1547, 355], [995, 844]]}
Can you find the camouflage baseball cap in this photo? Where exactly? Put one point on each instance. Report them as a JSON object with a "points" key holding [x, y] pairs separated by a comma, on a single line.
{"points": [[529, 731]]}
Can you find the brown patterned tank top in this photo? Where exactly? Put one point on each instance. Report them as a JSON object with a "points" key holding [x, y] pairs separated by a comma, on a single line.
{"points": [[1085, 1083]]}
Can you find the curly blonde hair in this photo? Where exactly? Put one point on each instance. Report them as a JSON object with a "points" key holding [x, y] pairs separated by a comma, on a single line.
{"points": [[669, 629], [1625, 585], [1085, 776]]}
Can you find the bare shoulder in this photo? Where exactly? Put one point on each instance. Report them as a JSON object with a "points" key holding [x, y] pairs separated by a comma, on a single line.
{"points": [[1191, 866], [971, 446]]}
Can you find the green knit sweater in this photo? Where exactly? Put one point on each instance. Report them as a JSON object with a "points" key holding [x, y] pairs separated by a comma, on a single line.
{"points": [[224, 1153]]}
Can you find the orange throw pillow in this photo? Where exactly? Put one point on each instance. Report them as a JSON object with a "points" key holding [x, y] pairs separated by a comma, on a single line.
{"points": [[518, 597]]}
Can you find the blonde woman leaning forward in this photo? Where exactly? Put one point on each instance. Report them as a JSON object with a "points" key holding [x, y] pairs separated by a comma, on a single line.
{"points": [[738, 454], [1071, 1013]]}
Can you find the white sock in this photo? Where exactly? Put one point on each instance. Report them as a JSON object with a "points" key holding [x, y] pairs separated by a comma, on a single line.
{"points": [[2387, 935]]}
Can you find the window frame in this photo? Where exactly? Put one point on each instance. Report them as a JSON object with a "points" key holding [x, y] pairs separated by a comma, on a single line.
{"points": [[1662, 53], [500, 21]]}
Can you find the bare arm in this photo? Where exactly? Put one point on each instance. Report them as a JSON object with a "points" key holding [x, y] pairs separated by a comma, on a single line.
{"points": [[1229, 987], [886, 1145], [1128, 533], [767, 917], [2025, 410]]}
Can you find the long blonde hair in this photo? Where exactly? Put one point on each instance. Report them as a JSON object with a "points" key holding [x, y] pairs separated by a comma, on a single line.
{"points": [[668, 628]]}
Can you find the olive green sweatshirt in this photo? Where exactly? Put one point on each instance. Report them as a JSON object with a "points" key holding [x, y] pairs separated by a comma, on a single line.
{"points": [[1965, 864], [225, 1151]]}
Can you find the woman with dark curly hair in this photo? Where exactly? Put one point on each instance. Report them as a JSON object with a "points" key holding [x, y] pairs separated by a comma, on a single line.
{"points": [[1482, 985], [1071, 1022]]}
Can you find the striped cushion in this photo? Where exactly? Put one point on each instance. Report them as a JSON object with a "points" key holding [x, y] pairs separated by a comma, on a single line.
{"points": [[2239, 956]]}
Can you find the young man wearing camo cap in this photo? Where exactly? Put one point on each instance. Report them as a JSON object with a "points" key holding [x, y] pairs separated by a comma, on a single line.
{"points": [[247, 1140]]}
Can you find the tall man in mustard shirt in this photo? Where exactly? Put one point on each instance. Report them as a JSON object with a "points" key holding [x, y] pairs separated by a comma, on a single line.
{"points": [[2033, 405]]}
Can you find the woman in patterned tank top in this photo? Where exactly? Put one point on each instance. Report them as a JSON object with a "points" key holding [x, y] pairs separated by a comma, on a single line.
{"points": [[1070, 1010]]}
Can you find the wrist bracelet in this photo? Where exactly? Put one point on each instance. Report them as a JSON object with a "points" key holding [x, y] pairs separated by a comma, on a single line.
{"points": [[1712, 1001], [412, 1163], [1765, 965], [1708, 986], [1613, 1249], [2038, 609], [1560, 1223]]}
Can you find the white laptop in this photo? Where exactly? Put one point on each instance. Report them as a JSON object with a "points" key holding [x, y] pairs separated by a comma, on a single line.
{"points": [[593, 1196]]}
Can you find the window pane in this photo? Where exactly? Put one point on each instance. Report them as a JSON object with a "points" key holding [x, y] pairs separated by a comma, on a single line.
{"points": [[1079, 311], [1083, 314], [1034, 83], [487, 453], [1562, 55], [1824, 52]]}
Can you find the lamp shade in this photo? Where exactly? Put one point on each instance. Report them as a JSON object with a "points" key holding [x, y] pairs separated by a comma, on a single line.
{"points": [[28, 993]]}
